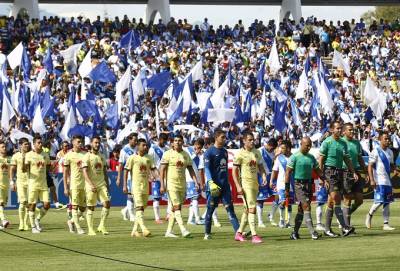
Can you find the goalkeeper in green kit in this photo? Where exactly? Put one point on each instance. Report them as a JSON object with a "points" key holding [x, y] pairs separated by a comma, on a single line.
{"points": [[217, 184]]}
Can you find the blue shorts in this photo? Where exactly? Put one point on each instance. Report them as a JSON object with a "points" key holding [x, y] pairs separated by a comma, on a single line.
{"points": [[191, 191], [264, 192], [155, 189], [282, 196], [321, 194], [225, 197], [383, 194]]}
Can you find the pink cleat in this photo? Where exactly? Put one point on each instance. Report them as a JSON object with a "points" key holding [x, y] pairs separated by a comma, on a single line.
{"points": [[256, 239], [239, 237]]}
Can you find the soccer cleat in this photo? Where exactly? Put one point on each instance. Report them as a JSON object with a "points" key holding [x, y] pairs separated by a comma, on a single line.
{"points": [[26, 227], [71, 226], [239, 237], [131, 218], [200, 222], [35, 230], [368, 219], [21, 227], [159, 221], [103, 230], [294, 236], [273, 223], [315, 235], [135, 234], [320, 227], [281, 224], [170, 235], [1, 228], [146, 233], [347, 231], [191, 223], [288, 226], [6, 223], [124, 213], [207, 237], [339, 226], [331, 234], [386, 227], [37, 224], [217, 224], [60, 206], [91, 233], [261, 225], [256, 239], [80, 231], [186, 234]]}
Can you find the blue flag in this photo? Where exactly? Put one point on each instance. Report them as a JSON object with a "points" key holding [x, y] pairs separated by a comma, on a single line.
{"points": [[111, 117], [26, 65], [279, 120], [102, 73], [82, 130], [159, 82], [88, 109], [48, 109], [177, 114], [48, 61], [33, 104], [130, 40], [22, 102], [260, 75]]}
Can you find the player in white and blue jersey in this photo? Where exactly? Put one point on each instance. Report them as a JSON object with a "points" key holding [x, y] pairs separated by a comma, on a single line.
{"points": [[217, 183], [156, 152], [126, 152], [192, 194], [380, 163], [269, 190], [278, 173]]}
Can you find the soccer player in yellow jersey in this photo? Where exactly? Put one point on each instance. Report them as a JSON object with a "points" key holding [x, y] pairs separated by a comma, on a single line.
{"points": [[36, 163], [173, 180], [140, 166], [246, 164], [95, 173], [74, 183], [22, 182], [4, 182]]}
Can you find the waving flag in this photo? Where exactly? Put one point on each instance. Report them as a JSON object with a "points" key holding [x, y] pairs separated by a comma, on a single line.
{"points": [[102, 73], [130, 40], [15, 57], [86, 66], [159, 82], [279, 120], [111, 117], [48, 61], [38, 125], [70, 122], [7, 113]]}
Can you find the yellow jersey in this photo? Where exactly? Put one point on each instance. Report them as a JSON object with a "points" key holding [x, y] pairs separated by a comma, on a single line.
{"points": [[37, 171], [95, 164], [140, 168], [248, 162], [4, 172], [74, 161], [22, 177], [176, 162]]}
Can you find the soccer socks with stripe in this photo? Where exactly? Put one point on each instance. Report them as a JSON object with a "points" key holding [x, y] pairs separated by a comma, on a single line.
{"points": [[89, 220], [104, 214], [42, 213], [307, 216], [2, 215], [171, 222], [252, 223], [346, 214], [209, 214], [259, 208], [243, 222], [76, 219], [297, 222], [232, 217], [318, 213], [32, 218], [329, 216], [156, 209], [386, 213], [179, 220], [140, 221], [196, 211]]}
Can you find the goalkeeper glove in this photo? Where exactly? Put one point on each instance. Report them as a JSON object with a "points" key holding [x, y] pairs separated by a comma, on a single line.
{"points": [[215, 190]]}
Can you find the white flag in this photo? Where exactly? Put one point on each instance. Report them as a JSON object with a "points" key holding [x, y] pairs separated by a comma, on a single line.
{"points": [[303, 86], [38, 125], [16, 135], [216, 77], [15, 57], [86, 66], [202, 99], [7, 113], [273, 60], [157, 121], [371, 91], [263, 105], [70, 122], [70, 55], [339, 61], [217, 98], [197, 71], [137, 86], [325, 98], [221, 115], [379, 105], [187, 97], [121, 85], [129, 128]]}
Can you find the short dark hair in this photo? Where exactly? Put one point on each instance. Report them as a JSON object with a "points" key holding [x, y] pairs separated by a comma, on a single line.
{"points": [[199, 141], [76, 137], [36, 138], [247, 134], [163, 136], [382, 133], [272, 142], [132, 135], [22, 140], [141, 140], [287, 143], [332, 124], [95, 137], [347, 124], [218, 132], [178, 136]]}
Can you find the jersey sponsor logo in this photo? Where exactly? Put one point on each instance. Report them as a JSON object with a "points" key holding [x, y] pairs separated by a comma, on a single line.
{"points": [[79, 164], [252, 163], [4, 167], [142, 168], [98, 165], [40, 164], [179, 164]]}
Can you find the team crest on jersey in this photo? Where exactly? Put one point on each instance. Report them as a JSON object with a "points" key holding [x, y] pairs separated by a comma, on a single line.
{"points": [[142, 168], [179, 164], [252, 163], [98, 166], [79, 163], [4, 167], [222, 163], [40, 164]]}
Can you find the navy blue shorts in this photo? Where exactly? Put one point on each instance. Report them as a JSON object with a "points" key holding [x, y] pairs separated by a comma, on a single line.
{"points": [[225, 197]]}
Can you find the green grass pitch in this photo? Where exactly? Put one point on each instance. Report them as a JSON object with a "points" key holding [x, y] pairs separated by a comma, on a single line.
{"points": [[372, 249]]}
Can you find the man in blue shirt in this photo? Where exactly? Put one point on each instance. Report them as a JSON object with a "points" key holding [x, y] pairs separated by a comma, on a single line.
{"points": [[217, 183]]}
